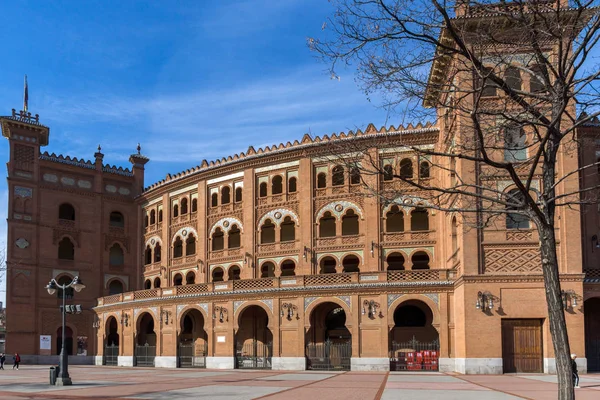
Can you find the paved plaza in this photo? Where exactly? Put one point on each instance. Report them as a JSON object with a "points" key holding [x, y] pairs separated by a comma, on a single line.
{"points": [[147, 383]]}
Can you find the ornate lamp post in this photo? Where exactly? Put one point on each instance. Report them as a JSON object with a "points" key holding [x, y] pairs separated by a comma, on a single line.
{"points": [[64, 379]]}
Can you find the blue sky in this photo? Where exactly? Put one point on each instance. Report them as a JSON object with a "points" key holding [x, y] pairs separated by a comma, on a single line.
{"points": [[189, 80]]}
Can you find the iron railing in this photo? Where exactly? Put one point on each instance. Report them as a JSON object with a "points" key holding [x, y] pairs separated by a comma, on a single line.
{"points": [[192, 355], [145, 355], [111, 354], [253, 354], [329, 356], [415, 355]]}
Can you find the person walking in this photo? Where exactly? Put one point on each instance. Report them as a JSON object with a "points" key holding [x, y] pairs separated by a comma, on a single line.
{"points": [[17, 360], [2, 360], [575, 373]]}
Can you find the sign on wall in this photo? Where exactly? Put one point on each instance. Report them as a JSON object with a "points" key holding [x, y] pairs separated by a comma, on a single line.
{"points": [[45, 342]]}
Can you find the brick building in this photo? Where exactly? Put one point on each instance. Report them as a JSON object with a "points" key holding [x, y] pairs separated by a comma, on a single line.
{"points": [[274, 258]]}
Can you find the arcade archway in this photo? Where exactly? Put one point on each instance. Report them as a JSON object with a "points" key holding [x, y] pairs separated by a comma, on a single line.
{"points": [[414, 342], [145, 344], [329, 341], [111, 344], [193, 343], [592, 333], [253, 339]]}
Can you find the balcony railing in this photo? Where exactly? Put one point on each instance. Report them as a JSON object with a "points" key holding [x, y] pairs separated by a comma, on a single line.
{"points": [[435, 276]]}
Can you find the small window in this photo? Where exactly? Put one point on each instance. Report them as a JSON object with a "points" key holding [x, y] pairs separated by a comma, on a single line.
{"points": [[454, 235], [515, 148], [152, 217], [115, 287], [66, 249], [184, 206], [69, 292], [225, 195], [116, 256], [178, 248], [327, 225], [116, 219], [175, 210], [146, 220], [214, 200], [536, 80], [277, 185], [156, 283], [267, 232], [512, 77], [394, 220], [148, 255], [388, 172], [489, 87], [424, 170], [238, 194], [354, 176], [177, 280], [234, 273], [194, 205], [337, 176], [190, 278], [160, 215], [515, 220], [321, 180], [288, 230], [419, 220], [218, 240], [217, 275], [147, 284], [66, 211], [406, 168], [350, 223], [262, 190], [267, 270], [292, 185]]}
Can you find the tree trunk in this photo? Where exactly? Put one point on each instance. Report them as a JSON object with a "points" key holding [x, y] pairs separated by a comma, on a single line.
{"points": [[556, 315]]}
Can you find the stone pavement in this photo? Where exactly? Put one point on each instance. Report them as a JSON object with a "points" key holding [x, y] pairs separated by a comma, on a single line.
{"points": [[31, 382]]}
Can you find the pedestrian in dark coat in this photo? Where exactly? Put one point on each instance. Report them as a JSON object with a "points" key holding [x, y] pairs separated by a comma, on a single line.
{"points": [[575, 373], [2, 360], [17, 360]]}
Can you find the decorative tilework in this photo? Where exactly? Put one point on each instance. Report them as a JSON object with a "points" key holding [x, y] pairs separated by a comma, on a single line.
{"points": [[237, 304], [184, 232], [339, 208], [345, 299], [281, 213], [393, 297], [433, 296], [203, 306], [225, 224], [308, 301], [23, 192], [269, 303]]}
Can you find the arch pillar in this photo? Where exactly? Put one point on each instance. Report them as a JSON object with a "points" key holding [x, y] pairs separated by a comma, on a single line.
{"points": [[222, 341]]}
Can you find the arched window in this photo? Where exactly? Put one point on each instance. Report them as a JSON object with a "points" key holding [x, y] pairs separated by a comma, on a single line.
{"points": [[156, 283], [514, 143], [354, 176], [350, 223], [394, 220], [321, 180], [175, 210], [288, 230], [178, 248], [262, 190], [148, 255], [395, 262], [218, 240], [350, 264], [116, 256], [147, 284], [160, 215], [146, 220], [234, 273], [190, 278], [454, 235], [327, 225], [419, 220], [512, 77], [388, 172], [536, 80], [225, 195], [177, 280], [267, 270], [238, 194], [234, 237], [184, 206], [292, 185], [267, 232], [337, 176], [190, 245], [214, 200], [406, 168], [66, 249], [217, 275], [157, 251], [328, 265], [515, 220], [116, 219], [420, 260], [194, 205], [277, 185], [288, 268], [66, 211], [424, 170], [152, 217], [115, 287]]}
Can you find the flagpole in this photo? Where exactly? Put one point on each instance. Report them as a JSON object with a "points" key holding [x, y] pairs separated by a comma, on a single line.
{"points": [[25, 96]]}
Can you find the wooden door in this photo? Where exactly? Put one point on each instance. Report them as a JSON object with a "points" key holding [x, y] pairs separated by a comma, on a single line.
{"points": [[522, 345]]}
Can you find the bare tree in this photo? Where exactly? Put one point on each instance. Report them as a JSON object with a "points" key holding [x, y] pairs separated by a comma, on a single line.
{"points": [[504, 83]]}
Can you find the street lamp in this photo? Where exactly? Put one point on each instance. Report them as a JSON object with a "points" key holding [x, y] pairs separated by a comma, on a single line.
{"points": [[64, 379]]}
